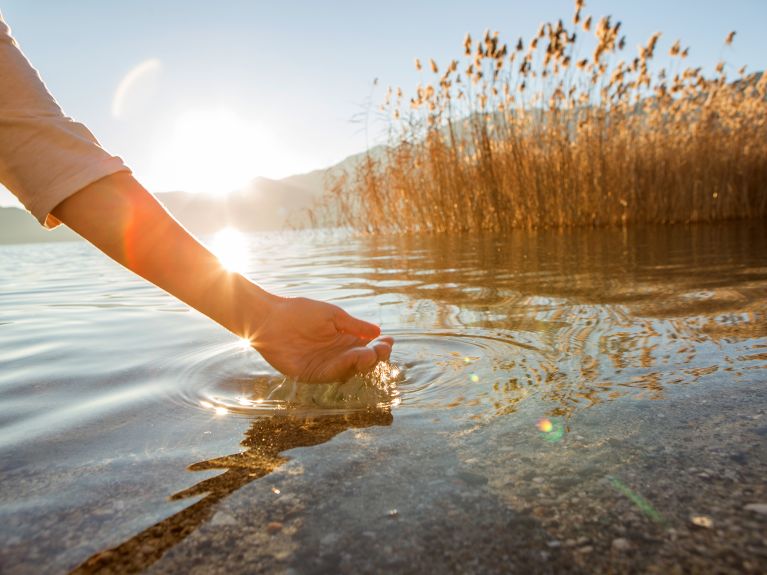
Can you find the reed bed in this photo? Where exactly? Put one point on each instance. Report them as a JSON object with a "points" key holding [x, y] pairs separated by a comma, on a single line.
{"points": [[541, 133]]}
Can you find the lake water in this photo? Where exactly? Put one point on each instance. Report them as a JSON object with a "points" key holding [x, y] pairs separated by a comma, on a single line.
{"points": [[588, 401]]}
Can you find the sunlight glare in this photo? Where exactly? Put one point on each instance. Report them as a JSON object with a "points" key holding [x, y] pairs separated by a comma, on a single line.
{"points": [[209, 150], [230, 246]]}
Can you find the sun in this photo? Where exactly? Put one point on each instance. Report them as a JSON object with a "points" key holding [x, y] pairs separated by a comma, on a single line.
{"points": [[208, 150]]}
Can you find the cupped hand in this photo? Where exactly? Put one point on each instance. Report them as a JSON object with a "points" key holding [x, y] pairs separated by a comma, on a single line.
{"points": [[319, 342]]}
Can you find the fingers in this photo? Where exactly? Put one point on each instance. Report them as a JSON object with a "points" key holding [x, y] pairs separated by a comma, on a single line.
{"points": [[367, 358], [382, 349], [357, 327], [351, 362], [360, 359]]}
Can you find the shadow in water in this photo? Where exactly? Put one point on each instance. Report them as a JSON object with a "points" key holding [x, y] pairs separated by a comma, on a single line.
{"points": [[265, 442]]}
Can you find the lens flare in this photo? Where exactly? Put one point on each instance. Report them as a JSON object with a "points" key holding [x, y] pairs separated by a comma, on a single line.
{"points": [[221, 411], [474, 378], [545, 425], [642, 504], [137, 85], [551, 429]]}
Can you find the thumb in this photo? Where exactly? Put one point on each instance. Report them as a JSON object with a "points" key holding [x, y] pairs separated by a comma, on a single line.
{"points": [[357, 327]]}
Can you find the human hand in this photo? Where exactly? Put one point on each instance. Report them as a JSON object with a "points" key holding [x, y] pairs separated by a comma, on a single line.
{"points": [[318, 342]]}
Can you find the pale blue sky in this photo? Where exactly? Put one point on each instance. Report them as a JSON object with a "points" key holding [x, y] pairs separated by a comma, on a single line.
{"points": [[281, 80]]}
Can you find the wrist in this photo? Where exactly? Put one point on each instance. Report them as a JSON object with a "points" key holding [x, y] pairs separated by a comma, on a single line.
{"points": [[249, 308]]}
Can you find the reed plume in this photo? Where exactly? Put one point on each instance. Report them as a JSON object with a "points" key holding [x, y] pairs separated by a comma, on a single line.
{"points": [[537, 135]]}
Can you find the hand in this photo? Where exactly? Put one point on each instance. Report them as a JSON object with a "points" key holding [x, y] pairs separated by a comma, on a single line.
{"points": [[307, 339], [318, 342]]}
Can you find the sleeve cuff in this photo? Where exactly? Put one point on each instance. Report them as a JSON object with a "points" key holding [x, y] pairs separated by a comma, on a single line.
{"points": [[71, 186]]}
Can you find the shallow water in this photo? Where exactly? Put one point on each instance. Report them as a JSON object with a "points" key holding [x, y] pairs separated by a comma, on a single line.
{"points": [[529, 372]]}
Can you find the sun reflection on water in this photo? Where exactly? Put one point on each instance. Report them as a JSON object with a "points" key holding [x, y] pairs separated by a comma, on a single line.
{"points": [[230, 246]]}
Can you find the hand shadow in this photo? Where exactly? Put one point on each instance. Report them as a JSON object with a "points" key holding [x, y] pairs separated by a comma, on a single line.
{"points": [[265, 441]]}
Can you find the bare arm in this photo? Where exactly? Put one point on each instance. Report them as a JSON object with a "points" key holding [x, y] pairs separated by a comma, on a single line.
{"points": [[311, 340]]}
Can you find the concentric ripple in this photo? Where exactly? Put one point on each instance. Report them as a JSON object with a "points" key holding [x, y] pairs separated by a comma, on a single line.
{"points": [[229, 380], [427, 370]]}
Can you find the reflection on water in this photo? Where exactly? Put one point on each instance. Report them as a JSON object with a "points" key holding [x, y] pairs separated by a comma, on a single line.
{"points": [[109, 388], [230, 246], [578, 319]]}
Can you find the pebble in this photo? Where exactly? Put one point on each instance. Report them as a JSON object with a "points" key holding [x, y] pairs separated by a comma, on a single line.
{"points": [[329, 539], [222, 518], [273, 527], [621, 544], [282, 555], [586, 550], [703, 521], [538, 479], [288, 499], [757, 507]]}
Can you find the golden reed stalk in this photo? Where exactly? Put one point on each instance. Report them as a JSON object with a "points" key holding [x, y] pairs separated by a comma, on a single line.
{"points": [[537, 135]]}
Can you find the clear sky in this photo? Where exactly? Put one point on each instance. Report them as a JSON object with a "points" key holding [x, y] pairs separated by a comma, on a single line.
{"points": [[196, 94]]}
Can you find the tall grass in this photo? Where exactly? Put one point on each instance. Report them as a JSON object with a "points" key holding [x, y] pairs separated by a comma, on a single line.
{"points": [[543, 134]]}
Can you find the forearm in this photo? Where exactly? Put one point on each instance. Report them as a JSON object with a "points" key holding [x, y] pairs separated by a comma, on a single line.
{"points": [[122, 219]]}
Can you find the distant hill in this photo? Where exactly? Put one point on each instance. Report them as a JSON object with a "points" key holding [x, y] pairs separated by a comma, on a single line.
{"points": [[264, 204], [19, 227]]}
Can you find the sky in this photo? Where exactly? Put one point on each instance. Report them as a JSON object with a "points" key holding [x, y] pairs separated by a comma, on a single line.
{"points": [[204, 96]]}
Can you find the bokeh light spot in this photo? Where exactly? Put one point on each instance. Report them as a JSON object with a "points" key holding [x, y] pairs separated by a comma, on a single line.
{"points": [[545, 425], [551, 429]]}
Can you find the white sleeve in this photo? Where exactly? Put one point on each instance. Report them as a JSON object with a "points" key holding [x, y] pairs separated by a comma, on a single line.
{"points": [[45, 157]]}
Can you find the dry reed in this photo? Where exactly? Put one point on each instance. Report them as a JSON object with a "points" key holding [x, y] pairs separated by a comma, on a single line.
{"points": [[534, 134]]}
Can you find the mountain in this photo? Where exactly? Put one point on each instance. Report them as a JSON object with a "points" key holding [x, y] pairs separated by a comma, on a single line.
{"points": [[19, 227], [264, 204]]}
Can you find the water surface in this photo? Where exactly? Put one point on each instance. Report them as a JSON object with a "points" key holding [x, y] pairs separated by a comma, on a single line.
{"points": [[548, 394]]}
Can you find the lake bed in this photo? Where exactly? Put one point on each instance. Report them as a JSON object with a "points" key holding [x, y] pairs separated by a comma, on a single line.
{"points": [[588, 400]]}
